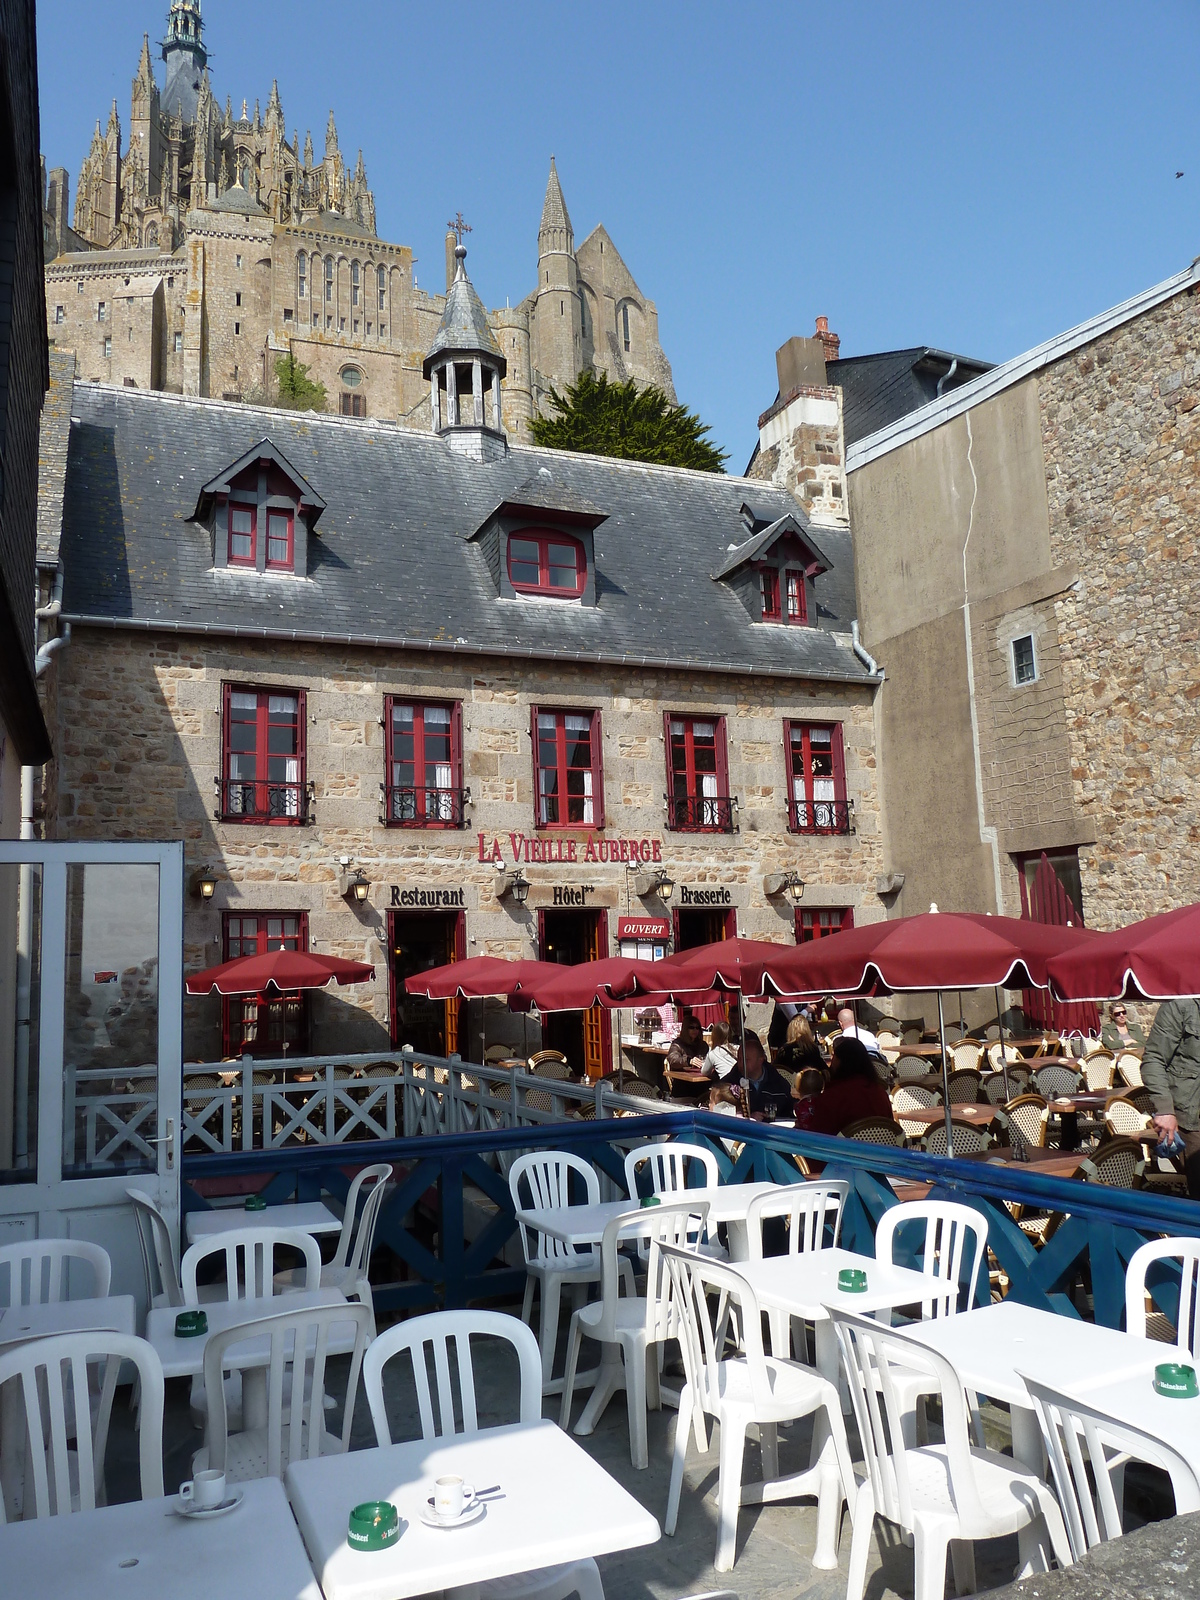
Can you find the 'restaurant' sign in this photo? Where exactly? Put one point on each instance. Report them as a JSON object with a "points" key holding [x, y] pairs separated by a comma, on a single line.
{"points": [[428, 899], [517, 847], [643, 928]]}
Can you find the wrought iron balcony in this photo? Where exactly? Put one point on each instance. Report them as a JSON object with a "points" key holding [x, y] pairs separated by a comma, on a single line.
{"points": [[701, 813], [425, 808], [247, 800], [819, 816]]}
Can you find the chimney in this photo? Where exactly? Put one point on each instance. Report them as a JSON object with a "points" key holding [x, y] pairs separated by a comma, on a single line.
{"points": [[830, 341]]}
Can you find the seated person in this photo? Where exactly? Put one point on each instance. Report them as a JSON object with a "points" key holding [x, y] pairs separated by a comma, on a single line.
{"points": [[687, 1050], [809, 1084], [801, 1049], [854, 1090], [720, 1060], [849, 1024], [762, 1086], [1118, 1033]]}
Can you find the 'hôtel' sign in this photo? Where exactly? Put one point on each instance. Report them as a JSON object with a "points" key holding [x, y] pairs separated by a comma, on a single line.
{"points": [[522, 849]]}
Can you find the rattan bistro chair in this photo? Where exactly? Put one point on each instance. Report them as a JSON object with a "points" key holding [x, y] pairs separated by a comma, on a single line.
{"points": [[967, 1053], [1056, 1079], [873, 1130], [1027, 1120], [542, 1058], [968, 1139], [1116, 1163], [910, 1068], [964, 1086]]}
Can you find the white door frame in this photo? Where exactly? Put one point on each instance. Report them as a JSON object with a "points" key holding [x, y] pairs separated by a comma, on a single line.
{"points": [[47, 1206]]}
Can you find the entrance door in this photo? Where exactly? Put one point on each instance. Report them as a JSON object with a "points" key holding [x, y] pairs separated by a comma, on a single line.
{"points": [[695, 928], [418, 941], [584, 1037], [91, 987]]}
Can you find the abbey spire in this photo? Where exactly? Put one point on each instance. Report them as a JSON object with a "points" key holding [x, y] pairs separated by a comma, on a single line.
{"points": [[555, 233]]}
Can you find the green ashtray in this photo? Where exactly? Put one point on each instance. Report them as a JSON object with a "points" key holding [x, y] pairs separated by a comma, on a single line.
{"points": [[651, 1200], [191, 1324], [1176, 1380], [255, 1202], [374, 1525], [852, 1280]]}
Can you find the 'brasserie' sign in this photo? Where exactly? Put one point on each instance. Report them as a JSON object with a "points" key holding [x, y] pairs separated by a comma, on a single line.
{"points": [[590, 848]]}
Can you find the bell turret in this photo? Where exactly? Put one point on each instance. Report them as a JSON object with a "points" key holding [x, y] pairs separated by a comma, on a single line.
{"points": [[464, 367]]}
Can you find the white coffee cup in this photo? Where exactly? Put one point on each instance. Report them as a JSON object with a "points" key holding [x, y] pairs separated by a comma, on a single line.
{"points": [[206, 1490], [448, 1497]]}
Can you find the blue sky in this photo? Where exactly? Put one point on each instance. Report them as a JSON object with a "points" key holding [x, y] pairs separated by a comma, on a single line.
{"points": [[976, 177]]}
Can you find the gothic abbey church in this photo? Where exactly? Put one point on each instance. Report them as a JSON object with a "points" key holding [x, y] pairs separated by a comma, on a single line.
{"points": [[212, 245]]}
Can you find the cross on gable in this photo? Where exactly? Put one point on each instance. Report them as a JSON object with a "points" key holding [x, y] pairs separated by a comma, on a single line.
{"points": [[458, 226]]}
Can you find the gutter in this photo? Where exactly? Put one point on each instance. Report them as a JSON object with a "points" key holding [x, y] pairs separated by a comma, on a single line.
{"points": [[218, 630], [863, 654]]}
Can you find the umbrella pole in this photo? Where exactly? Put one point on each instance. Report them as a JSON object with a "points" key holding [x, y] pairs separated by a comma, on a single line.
{"points": [[1003, 1051], [945, 1081]]}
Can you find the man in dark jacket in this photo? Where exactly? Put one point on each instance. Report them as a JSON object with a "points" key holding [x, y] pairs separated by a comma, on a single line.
{"points": [[764, 1088], [1171, 1072]]}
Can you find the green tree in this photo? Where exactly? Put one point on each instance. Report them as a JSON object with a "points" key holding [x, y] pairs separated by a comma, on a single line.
{"points": [[297, 391], [619, 419]]}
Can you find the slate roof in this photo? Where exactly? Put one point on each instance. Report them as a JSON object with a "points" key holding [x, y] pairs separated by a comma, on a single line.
{"points": [[393, 561], [759, 542], [238, 200], [53, 442], [464, 325], [880, 389]]}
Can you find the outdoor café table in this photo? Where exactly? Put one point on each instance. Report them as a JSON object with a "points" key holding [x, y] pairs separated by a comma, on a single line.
{"points": [[184, 1358], [310, 1216], [972, 1113], [142, 1551], [558, 1505], [583, 1225], [987, 1346], [1066, 1108]]}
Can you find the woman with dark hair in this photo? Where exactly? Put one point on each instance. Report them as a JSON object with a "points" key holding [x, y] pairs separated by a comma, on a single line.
{"points": [[853, 1091]]}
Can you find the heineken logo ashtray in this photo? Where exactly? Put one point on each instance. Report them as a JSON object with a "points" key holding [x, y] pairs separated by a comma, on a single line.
{"points": [[852, 1280], [1176, 1380], [191, 1324], [374, 1525], [255, 1202]]}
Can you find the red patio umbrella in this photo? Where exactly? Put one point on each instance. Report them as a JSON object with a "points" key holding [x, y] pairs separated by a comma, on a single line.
{"points": [[481, 978], [735, 965], [612, 982], [285, 970], [1155, 959]]}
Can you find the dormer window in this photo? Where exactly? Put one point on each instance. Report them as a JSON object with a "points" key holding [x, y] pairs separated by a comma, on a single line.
{"points": [[551, 564], [797, 603], [768, 588], [259, 513], [773, 569]]}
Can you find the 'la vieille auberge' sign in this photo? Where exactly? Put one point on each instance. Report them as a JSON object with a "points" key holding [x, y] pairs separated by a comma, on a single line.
{"points": [[522, 849]]}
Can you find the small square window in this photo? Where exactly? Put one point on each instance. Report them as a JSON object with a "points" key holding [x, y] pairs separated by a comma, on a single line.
{"points": [[237, 261], [237, 327], [79, 287], [108, 347], [60, 313], [237, 299], [101, 311], [178, 343], [287, 313], [1024, 662]]}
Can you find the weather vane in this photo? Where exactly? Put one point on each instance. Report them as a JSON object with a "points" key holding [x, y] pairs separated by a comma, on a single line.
{"points": [[458, 226]]}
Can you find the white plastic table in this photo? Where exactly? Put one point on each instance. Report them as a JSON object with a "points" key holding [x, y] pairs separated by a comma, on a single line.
{"points": [[143, 1551], [584, 1225], [559, 1505], [310, 1216], [184, 1358]]}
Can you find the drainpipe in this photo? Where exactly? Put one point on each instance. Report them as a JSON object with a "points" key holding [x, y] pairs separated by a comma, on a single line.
{"points": [[863, 654], [51, 648], [946, 376], [987, 835]]}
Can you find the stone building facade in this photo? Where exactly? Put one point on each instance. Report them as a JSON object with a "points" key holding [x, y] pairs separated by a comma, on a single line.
{"points": [[593, 722], [1028, 578], [208, 246]]}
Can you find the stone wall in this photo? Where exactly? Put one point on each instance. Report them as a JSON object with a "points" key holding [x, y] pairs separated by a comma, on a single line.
{"points": [[139, 737], [1121, 436]]}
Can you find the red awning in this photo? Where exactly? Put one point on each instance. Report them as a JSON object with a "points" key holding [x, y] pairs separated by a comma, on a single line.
{"points": [[727, 964], [1155, 959], [481, 978], [611, 982], [284, 970]]}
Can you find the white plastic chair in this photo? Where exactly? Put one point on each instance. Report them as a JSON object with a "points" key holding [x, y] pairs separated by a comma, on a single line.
{"points": [[432, 1336], [669, 1167], [348, 1271], [539, 1181], [295, 1430], [1077, 1434], [250, 1271], [747, 1388], [33, 1272], [1186, 1252], [628, 1327], [813, 1215], [944, 1495], [159, 1260], [67, 1473]]}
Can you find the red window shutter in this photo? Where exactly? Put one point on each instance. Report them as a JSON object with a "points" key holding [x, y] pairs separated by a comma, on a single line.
{"points": [[847, 920], [597, 772], [302, 750], [722, 757], [668, 766], [388, 701], [541, 916], [456, 745], [839, 764], [302, 932], [533, 761]]}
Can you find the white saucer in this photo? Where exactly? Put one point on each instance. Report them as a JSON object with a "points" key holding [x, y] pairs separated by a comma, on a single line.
{"points": [[203, 1513], [471, 1513]]}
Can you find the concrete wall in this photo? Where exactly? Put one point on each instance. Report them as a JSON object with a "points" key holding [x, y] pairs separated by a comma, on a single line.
{"points": [[138, 720]]}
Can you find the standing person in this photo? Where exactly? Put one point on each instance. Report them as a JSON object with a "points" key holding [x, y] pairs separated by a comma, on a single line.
{"points": [[1118, 1033], [852, 1029], [1171, 1072], [781, 1018]]}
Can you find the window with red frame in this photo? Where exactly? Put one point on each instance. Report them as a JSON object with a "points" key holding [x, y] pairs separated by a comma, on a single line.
{"points": [[768, 588], [699, 799], [266, 1024], [280, 541], [818, 924], [243, 535], [424, 764], [797, 600], [568, 775], [262, 756], [547, 563], [816, 778]]}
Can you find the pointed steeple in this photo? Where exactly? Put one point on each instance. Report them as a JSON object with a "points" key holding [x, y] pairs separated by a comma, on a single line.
{"points": [[228, 113], [464, 348], [360, 170], [274, 104], [555, 235], [331, 138], [145, 72], [114, 124], [308, 148]]}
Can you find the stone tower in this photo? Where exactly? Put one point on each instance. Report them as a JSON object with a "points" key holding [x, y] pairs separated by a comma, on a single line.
{"points": [[556, 351], [186, 58], [464, 367]]}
